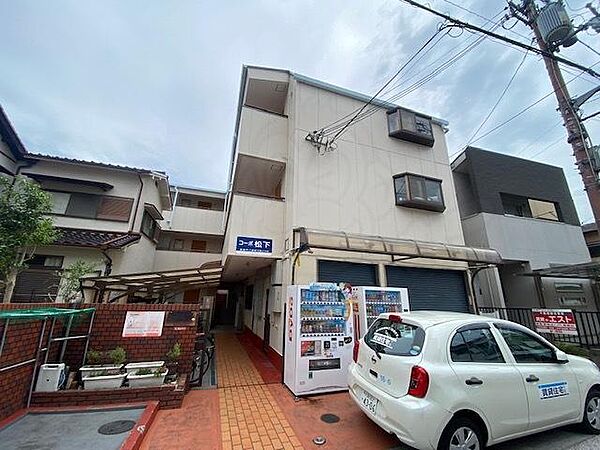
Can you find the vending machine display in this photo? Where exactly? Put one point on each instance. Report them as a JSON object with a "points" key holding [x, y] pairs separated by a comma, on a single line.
{"points": [[371, 301], [318, 337]]}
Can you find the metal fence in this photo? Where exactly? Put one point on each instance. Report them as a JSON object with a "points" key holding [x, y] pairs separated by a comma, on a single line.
{"points": [[587, 322]]}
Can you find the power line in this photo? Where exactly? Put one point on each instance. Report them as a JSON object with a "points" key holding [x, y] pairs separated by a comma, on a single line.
{"points": [[535, 140], [387, 83], [590, 47], [466, 25], [502, 94]]}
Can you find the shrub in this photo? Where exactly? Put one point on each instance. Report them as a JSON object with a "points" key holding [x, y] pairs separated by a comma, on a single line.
{"points": [[175, 353], [143, 372], [118, 356], [93, 357]]}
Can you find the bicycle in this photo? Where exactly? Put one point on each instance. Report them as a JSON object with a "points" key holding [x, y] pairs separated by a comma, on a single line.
{"points": [[204, 350]]}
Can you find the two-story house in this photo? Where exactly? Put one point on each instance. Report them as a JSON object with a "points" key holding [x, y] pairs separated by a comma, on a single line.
{"points": [[119, 219], [524, 210], [377, 208]]}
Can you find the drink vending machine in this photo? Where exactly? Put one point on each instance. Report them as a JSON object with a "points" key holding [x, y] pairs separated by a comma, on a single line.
{"points": [[319, 336], [369, 302]]}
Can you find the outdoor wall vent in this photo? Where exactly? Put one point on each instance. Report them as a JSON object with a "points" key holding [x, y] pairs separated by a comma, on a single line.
{"points": [[409, 126]]}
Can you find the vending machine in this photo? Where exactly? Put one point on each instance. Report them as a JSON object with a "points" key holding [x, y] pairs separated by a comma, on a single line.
{"points": [[319, 334], [369, 302]]}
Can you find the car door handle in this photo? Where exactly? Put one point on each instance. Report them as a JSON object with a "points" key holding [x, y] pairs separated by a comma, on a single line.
{"points": [[532, 379], [473, 381]]}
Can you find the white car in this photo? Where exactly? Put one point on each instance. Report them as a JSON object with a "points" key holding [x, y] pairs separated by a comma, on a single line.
{"points": [[441, 380]]}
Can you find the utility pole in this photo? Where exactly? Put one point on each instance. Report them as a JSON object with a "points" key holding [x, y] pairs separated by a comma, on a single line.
{"points": [[577, 135]]}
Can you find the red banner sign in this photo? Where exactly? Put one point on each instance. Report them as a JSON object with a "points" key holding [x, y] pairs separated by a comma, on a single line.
{"points": [[554, 321]]}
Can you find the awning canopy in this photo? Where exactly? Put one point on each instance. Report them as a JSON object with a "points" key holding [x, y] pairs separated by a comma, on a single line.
{"points": [[589, 270], [398, 249], [42, 313], [153, 285]]}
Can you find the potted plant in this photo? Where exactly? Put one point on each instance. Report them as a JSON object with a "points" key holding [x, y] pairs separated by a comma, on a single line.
{"points": [[173, 356], [147, 377], [97, 362], [133, 368], [103, 380]]}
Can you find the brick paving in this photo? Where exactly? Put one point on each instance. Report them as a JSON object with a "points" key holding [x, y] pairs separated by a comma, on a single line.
{"points": [[250, 416]]}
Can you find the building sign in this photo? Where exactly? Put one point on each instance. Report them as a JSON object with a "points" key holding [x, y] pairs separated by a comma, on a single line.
{"points": [[246, 244], [143, 324], [554, 321]]}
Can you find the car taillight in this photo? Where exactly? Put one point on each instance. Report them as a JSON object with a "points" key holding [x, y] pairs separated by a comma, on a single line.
{"points": [[355, 350], [419, 382]]}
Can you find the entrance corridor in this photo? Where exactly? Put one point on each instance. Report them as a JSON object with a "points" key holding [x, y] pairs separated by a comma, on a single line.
{"points": [[251, 409]]}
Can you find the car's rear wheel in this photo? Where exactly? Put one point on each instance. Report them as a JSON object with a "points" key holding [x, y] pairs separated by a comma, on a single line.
{"points": [[461, 434], [591, 413]]}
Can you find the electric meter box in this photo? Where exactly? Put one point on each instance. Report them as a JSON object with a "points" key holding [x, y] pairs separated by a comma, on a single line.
{"points": [[50, 377]]}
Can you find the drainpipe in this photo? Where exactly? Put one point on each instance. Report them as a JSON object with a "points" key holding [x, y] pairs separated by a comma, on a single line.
{"points": [[170, 221], [137, 203], [107, 263]]}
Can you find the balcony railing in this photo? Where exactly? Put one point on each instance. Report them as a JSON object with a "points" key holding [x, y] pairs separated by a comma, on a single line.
{"points": [[193, 220]]}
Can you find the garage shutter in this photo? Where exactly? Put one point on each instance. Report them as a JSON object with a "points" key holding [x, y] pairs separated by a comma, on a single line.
{"points": [[432, 289], [353, 273]]}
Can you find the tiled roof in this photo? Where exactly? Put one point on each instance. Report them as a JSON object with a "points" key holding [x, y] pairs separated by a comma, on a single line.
{"points": [[10, 136], [97, 239], [39, 156]]}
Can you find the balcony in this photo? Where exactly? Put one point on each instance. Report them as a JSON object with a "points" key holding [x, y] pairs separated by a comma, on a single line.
{"points": [[255, 217], [263, 135], [171, 259], [193, 220]]}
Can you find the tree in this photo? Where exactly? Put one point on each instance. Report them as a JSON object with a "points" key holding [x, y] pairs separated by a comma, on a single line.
{"points": [[23, 227], [69, 285]]}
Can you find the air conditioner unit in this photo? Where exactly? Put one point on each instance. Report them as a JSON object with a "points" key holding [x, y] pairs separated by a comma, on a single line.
{"points": [[50, 377], [409, 126]]}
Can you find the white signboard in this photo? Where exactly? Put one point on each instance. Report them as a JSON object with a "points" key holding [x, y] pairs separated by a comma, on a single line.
{"points": [[143, 324]]}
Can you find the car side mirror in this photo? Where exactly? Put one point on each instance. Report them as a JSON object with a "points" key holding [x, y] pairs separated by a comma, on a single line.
{"points": [[561, 357]]}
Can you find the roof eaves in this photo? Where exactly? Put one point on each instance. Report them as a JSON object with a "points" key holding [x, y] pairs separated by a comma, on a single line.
{"points": [[42, 157], [8, 132]]}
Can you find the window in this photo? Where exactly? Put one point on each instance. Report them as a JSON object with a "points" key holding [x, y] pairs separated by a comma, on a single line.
{"points": [[178, 244], [45, 262], [204, 205], [395, 338], [198, 246], [516, 205], [408, 126], [91, 206], [149, 228], [475, 345], [416, 191], [525, 347]]}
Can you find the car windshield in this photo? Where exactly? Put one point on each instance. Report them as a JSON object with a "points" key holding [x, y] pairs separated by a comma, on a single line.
{"points": [[395, 338]]}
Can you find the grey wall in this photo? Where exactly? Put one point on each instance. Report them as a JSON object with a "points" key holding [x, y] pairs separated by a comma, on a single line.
{"points": [[492, 173]]}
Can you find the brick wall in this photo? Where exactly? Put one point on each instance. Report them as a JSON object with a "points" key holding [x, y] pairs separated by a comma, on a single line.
{"points": [[168, 396], [106, 334]]}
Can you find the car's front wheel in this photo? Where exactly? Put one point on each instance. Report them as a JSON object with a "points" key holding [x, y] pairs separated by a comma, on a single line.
{"points": [[591, 413], [461, 434]]}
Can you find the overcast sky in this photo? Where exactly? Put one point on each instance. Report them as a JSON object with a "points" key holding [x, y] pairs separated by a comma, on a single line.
{"points": [[154, 83]]}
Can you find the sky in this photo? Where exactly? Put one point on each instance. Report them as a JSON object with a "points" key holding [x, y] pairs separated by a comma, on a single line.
{"points": [[154, 83]]}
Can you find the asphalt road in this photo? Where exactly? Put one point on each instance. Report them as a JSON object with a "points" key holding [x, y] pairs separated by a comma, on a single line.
{"points": [[567, 438]]}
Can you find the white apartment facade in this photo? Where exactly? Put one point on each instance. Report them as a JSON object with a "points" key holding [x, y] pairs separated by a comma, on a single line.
{"points": [[349, 207], [120, 220]]}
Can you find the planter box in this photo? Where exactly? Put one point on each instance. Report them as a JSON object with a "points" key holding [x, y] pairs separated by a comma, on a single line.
{"points": [[150, 380], [111, 369], [132, 368], [103, 382]]}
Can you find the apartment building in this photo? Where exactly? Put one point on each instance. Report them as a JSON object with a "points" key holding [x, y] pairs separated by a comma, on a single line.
{"points": [[378, 209], [119, 219], [524, 210]]}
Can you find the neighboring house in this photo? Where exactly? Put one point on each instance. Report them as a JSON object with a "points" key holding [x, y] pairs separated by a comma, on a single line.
{"points": [[524, 210], [592, 239], [118, 218], [191, 233], [285, 196]]}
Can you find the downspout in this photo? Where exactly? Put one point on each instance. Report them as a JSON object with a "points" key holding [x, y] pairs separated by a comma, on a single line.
{"points": [[137, 203], [107, 263], [170, 221]]}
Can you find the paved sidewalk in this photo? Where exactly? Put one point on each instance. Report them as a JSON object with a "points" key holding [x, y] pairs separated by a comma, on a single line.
{"points": [[250, 416]]}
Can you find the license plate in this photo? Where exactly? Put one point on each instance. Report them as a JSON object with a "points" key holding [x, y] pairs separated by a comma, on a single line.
{"points": [[369, 402]]}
